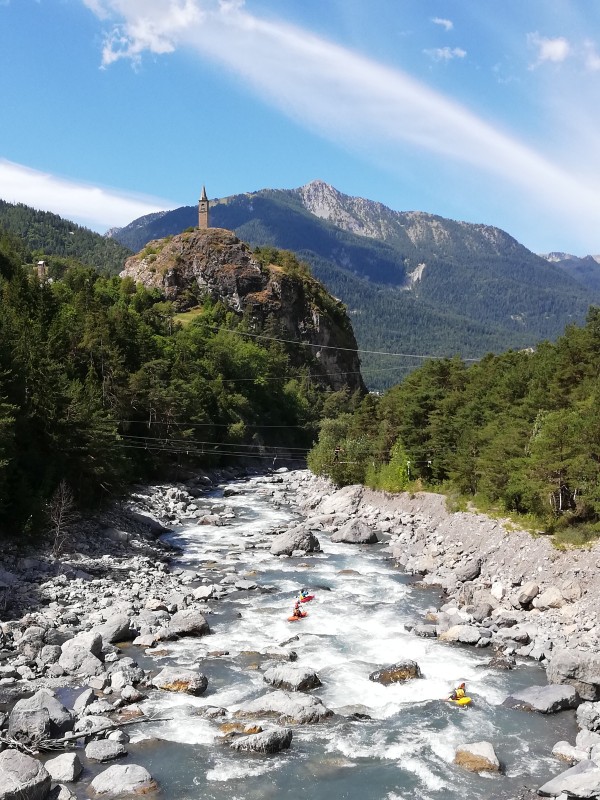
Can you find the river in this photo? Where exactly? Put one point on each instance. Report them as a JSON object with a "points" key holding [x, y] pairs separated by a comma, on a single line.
{"points": [[356, 624]]}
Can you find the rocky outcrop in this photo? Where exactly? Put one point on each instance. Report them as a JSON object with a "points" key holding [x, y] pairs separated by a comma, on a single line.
{"points": [[271, 741], [122, 780], [292, 678], [477, 757], [22, 777], [544, 699], [295, 540], [290, 708], [355, 532], [216, 263], [395, 673]]}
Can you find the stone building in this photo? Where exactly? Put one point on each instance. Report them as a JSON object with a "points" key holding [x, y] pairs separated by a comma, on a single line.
{"points": [[203, 210]]}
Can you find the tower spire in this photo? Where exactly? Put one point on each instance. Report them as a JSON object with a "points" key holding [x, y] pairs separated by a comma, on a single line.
{"points": [[203, 209]]}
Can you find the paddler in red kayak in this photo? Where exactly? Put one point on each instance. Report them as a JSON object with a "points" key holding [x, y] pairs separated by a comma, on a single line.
{"points": [[297, 612]]}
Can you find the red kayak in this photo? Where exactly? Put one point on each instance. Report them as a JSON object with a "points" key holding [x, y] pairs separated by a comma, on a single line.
{"points": [[307, 599], [297, 619]]}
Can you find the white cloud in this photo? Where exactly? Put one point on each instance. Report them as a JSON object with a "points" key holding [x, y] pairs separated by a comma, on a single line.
{"points": [[592, 59], [553, 50], [91, 206], [354, 101], [445, 23], [445, 53]]}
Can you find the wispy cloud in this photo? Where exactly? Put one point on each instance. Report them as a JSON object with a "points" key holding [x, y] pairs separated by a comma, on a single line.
{"points": [[554, 51], [91, 206], [350, 99], [445, 53], [445, 23], [592, 58]]}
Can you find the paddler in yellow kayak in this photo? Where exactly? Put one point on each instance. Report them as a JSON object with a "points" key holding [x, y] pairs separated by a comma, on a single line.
{"points": [[459, 692]]}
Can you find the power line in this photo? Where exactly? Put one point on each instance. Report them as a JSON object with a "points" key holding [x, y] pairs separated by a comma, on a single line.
{"points": [[332, 347], [195, 442]]}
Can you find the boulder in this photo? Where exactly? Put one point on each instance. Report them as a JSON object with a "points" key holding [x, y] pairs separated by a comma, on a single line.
{"points": [[92, 725], [295, 539], [176, 679], [292, 678], [82, 655], [566, 752], [582, 780], [65, 768], [550, 598], [588, 716], [425, 630], [123, 779], [465, 634], [293, 708], [469, 571], [188, 622], [527, 593], [22, 777], [477, 757], [61, 792], [83, 700], [104, 750], [42, 705], [355, 532], [579, 668], [395, 673], [270, 741], [117, 628], [544, 699]]}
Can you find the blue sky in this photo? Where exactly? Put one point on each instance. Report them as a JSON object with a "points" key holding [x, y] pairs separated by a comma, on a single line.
{"points": [[479, 110]]}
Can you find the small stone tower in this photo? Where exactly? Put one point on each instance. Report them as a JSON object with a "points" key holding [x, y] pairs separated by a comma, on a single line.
{"points": [[203, 210]]}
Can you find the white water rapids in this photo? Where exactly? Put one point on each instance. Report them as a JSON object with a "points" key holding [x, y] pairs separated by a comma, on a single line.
{"points": [[355, 626]]}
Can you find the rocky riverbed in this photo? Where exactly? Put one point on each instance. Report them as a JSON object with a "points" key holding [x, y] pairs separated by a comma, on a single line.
{"points": [[102, 618]]}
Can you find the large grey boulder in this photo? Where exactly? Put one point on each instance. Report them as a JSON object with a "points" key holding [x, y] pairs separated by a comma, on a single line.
{"points": [[65, 768], [582, 780], [468, 572], [117, 628], [22, 777], [42, 709], [294, 708], [477, 757], [395, 673], [355, 532], [82, 655], [527, 593], [292, 678], [188, 622], [550, 598], [122, 779], [295, 539], [465, 634], [271, 741], [92, 725], [545, 699], [104, 750], [177, 679], [579, 668]]}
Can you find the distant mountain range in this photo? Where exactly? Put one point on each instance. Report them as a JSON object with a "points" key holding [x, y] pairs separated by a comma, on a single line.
{"points": [[414, 283]]}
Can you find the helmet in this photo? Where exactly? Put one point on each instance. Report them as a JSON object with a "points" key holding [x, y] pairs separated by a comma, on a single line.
{"points": [[462, 686]]}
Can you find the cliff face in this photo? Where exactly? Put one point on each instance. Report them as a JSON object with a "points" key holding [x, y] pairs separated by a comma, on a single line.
{"points": [[215, 263]]}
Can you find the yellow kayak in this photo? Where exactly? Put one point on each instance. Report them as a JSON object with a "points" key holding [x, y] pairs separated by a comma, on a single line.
{"points": [[462, 701]]}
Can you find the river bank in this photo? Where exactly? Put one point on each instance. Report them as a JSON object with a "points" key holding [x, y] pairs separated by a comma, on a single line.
{"points": [[122, 583]]}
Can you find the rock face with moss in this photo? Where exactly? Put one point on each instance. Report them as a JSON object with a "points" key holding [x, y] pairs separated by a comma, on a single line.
{"points": [[265, 286]]}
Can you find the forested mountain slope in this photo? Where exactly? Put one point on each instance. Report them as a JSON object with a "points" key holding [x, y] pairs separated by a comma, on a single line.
{"points": [[101, 383], [413, 283], [46, 234], [518, 431]]}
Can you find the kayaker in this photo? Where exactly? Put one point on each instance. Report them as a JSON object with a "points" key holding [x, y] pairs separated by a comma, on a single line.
{"points": [[458, 693], [303, 593], [297, 612]]}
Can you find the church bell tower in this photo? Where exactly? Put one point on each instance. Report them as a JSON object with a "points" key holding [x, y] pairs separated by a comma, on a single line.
{"points": [[203, 210]]}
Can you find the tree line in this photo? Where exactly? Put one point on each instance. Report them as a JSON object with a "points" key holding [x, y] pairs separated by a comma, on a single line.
{"points": [[518, 432], [101, 385]]}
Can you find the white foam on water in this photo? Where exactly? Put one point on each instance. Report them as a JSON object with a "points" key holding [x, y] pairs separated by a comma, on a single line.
{"points": [[234, 770], [420, 769]]}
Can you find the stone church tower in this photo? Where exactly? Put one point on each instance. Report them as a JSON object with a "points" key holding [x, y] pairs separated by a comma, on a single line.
{"points": [[203, 210]]}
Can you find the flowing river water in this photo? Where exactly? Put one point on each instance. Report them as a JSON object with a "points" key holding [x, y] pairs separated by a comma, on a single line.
{"points": [[356, 624]]}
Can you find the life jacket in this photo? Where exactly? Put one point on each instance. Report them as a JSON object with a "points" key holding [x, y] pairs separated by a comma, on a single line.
{"points": [[459, 693]]}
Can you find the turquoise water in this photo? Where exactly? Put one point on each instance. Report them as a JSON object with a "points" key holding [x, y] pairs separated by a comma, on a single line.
{"points": [[355, 625]]}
